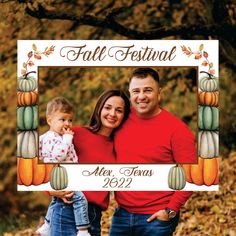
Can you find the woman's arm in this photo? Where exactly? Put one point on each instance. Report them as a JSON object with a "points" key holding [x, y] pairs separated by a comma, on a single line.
{"points": [[64, 195]]}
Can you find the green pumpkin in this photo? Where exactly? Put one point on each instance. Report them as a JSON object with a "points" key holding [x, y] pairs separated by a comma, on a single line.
{"points": [[27, 117], [27, 144], [208, 118], [208, 144], [208, 83], [176, 178], [59, 178], [26, 83]]}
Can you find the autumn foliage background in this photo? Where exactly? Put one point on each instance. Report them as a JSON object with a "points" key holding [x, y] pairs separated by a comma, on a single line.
{"points": [[206, 213]]}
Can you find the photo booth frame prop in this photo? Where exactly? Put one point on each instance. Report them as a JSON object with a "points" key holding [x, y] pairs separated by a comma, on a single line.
{"points": [[35, 176]]}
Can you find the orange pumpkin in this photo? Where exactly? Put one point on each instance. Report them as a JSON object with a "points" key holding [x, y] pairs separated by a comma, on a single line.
{"points": [[209, 98], [206, 172], [29, 172], [27, 98]]}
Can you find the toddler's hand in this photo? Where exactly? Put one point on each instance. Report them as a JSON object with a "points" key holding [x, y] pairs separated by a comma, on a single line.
{"points": [[68, 131]]}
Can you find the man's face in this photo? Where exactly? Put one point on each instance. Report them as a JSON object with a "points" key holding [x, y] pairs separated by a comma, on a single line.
{"points": [[145, 96]]}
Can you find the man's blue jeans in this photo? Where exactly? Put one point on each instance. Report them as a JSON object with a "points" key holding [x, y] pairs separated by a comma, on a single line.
{"points": [[129, 224]]}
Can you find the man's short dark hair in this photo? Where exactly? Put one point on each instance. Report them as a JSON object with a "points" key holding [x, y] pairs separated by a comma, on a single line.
{"points": [[144, 72]]}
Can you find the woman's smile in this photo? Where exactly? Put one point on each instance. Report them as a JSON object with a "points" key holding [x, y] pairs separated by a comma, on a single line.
{"points": [[111, 120]]}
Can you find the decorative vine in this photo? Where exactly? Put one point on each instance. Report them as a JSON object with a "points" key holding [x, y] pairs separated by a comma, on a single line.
{"points": [[200, 54], [35, 55]]}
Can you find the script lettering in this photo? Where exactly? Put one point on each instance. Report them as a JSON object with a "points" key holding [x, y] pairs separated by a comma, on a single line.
{"points": [[122, 53], [134, 171], [73, 53], [98, 172]]}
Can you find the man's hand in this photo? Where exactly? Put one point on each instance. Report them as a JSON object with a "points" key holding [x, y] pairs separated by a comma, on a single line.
{"points": [[160, 215], [64, 195]]}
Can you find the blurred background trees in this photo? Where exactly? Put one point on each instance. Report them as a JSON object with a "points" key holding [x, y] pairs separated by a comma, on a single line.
{"points": [[83, 86], [109, 19]]}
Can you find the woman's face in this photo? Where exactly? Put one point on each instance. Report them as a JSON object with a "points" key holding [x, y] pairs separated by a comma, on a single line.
{"points": [[112, 114]]}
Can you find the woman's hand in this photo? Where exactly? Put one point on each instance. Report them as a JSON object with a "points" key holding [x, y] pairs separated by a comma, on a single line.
{"points": [[64, 195], [160, 215]]}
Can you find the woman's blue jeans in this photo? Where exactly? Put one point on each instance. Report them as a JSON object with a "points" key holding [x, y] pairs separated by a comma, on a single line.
{"points": [[129, 224], [63, 220]]}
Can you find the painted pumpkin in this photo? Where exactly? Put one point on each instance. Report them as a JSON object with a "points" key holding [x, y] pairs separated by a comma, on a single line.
{"points": [[59, 178], [31, 173], [176, 178], [208, 144], [208, 118], [27, 144], [27, 98], [209, 98], [27, 117], [26, 83], [208, 83], [206, 172]]}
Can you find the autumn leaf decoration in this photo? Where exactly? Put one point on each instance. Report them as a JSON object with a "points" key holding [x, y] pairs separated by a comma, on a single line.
{"points": [[35, 55], [200, 54]]}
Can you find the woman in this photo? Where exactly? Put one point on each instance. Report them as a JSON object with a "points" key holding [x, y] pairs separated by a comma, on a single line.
{"points": [[93, 144]]}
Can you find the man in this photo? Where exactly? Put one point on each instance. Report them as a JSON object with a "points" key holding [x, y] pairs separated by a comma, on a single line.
{"points": [[150, 135]]}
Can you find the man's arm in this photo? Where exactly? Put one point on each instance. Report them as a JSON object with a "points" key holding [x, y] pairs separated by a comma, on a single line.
{"points": [[178, 199], [183, 146]]}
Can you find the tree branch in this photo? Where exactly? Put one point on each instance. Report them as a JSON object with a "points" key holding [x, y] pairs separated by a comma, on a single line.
{"points": [[109, 22], [220, 12], [227, 39], [217, 25], [91, 7]]}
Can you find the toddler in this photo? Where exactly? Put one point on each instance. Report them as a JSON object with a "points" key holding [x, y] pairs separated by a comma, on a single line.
{"points": [[55, 146]]}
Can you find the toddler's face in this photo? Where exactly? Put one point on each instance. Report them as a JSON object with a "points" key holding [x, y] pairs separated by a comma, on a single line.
{"points": [[58, 121]]}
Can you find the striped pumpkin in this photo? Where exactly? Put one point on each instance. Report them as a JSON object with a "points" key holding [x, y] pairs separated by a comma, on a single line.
{"points": [[208, 144], [27, 117], [26, 83], [208, 83], [209, 98], [31, 173], [27, 98], [206, 172], [176, 178], [59, 178], [208, 118], [27, 144]]}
